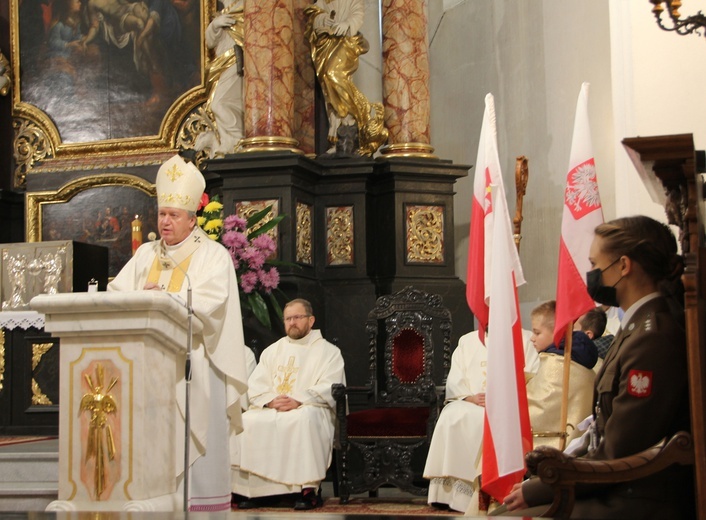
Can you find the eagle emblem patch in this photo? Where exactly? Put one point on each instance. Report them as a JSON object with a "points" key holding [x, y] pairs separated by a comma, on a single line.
{"points": [[640, 383]]}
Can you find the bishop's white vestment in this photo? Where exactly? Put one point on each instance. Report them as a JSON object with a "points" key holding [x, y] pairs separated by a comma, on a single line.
{"points": [[453, 462], [217, 360], [283, 452]]}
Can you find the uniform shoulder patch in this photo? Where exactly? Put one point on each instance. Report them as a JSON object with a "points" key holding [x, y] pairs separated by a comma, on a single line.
{"points": [[640, 383]]}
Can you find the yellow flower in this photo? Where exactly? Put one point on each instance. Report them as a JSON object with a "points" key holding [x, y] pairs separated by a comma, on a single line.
{"points": [[200, 221], [213, 225], [213, 206], [212, 236]]}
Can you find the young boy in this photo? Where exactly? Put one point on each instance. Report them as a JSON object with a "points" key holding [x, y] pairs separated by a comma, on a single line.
{"points": [[583, 350], [593, 323]]}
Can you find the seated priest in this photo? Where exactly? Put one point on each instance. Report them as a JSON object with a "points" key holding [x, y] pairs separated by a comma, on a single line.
{"points": [[287, 438], [453, 463], [185, 257]]}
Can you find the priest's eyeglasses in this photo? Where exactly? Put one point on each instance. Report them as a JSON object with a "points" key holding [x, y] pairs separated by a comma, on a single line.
{"points": [[296, 317]]}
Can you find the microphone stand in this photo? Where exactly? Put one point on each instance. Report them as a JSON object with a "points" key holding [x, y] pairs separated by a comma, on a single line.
{"points": [[187, 375], [187, 397]]}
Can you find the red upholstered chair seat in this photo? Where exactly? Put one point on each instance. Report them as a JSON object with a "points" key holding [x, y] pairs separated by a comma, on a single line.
{"points": [[389, 422]]}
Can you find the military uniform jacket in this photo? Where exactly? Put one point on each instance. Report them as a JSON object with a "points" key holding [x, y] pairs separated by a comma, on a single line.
{"points": [[641, 391], [641, 397]]}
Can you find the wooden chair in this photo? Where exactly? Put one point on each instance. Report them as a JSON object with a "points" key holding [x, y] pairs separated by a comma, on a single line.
{"points": [[383, 443], [564, 473]]}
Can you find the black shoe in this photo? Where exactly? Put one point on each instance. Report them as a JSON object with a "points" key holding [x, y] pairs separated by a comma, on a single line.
{"points": [[310, 499], [248, 503]]}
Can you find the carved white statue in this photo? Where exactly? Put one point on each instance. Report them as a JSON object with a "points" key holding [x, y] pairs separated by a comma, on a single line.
{"points": [[225, 101]]}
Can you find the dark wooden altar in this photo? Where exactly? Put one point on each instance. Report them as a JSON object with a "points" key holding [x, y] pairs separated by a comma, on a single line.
{"points": [[356, 229], [29, 380]]}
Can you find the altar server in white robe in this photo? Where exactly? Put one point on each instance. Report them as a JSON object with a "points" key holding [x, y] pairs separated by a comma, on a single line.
{"points": [[453, 462], [288, 431], [218, 365]]}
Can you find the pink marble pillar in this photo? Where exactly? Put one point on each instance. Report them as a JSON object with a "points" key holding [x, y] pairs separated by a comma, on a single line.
{"points": [[304, 83], [269, 76], [405, 54]]}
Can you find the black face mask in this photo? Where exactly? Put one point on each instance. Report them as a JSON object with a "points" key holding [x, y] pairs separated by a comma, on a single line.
{"points": [[607, 295]]}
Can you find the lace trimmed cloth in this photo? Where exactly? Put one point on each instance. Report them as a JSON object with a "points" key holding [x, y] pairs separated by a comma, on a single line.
{"points": [[24, 319]]}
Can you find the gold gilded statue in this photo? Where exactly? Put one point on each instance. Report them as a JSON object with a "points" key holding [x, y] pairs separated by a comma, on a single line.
{"points": [[100, 436], [332, 31]]}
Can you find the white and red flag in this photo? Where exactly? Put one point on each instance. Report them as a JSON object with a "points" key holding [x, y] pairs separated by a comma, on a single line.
{"points": [[582, 213], [487, 173], [494, 271]]}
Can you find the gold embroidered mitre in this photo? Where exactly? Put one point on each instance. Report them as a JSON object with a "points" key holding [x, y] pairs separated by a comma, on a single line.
{"points": [[179, 185]]}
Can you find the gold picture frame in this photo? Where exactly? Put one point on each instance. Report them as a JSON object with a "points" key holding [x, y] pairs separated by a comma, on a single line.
{"points": [[87, 97], [79, 209]]}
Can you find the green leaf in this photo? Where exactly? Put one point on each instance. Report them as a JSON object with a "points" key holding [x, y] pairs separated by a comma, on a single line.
{"points": [[259, 309], [282, 263], [265, 227], [257, 217], [276, 306]]}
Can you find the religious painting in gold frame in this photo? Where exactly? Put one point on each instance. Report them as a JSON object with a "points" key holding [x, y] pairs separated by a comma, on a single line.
{"points": [[102, 77], [97, 210]]}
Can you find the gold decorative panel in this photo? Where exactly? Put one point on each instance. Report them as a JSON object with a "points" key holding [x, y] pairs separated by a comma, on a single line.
{"points": [[425, 234], [304, 233], [247, 208], [39, 398], [339, 235]]}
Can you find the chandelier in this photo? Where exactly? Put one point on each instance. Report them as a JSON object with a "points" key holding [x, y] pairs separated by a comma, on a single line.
{"points": [[688, 25]]}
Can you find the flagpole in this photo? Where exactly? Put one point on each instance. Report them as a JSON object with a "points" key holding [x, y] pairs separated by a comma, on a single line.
{"points": [[565, 385]]}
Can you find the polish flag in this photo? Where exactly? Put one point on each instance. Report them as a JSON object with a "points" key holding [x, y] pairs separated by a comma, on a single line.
{"points": [[492, 296], [507, 433], [480, 241], [582, 213]]}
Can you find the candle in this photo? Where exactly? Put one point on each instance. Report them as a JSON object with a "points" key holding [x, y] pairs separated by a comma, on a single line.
{"points": [[136, 233]]}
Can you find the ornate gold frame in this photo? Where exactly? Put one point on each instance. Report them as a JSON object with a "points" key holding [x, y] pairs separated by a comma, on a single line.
{"points": [[36, 137], [35, 200]]}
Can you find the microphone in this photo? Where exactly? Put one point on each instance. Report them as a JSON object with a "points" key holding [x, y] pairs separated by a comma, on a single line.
{"points": [[168, 262]]}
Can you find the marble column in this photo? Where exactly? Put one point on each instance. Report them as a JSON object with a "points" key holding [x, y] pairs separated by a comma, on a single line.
{"points": [[304, 83], [269, 76], [405, 52]]}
